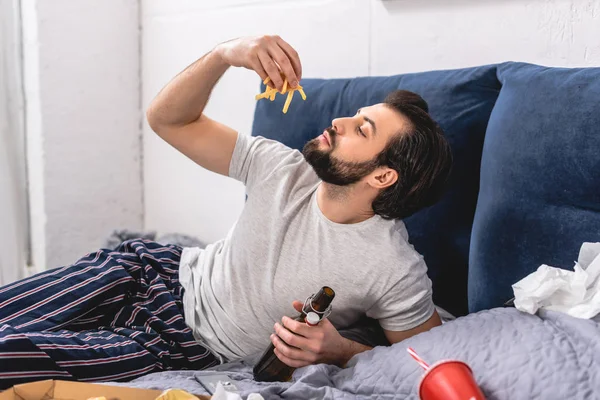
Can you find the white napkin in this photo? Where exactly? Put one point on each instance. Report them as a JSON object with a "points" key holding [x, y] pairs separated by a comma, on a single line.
{"points": [[576, 293], [222, 394]]}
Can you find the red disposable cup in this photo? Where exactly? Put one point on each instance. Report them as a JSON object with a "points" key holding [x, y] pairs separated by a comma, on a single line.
{"points": [[449, 380]]}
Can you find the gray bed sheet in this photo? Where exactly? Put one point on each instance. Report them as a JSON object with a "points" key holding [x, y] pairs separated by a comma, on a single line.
{"points": [[513, 355]]}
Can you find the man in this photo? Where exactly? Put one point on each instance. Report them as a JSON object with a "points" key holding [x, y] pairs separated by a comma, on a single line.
{"points": [[330, 215]]}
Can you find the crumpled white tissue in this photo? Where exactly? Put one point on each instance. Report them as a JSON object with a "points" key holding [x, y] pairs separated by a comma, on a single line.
{"points": [[222, 394], [576, 293]]}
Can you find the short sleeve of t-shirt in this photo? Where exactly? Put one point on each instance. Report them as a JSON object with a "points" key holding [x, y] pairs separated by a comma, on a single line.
{"points": [[408, 302], [255, 158]]}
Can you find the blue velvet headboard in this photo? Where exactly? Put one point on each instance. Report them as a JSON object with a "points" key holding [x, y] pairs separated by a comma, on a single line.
{"points": [[525, 186]]}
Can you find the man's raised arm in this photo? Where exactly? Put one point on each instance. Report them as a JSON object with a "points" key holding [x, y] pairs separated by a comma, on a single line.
{"points": [[176, 114]]}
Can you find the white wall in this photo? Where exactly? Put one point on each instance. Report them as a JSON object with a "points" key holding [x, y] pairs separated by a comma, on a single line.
{"points": [[83, 115], [335, 38], [437, 34], [13, 200]]}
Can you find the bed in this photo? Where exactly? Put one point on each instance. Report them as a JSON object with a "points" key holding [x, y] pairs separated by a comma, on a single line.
{"points": [[524, 191]]}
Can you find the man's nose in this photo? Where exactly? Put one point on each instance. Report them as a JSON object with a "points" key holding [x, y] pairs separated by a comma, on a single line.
{"points": [[337, 126]]}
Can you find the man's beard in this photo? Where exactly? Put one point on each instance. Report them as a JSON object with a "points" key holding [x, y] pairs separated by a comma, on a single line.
{"points": [[332, 170]]}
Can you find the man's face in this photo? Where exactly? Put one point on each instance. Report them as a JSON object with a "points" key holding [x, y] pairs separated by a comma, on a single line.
{"points": [[346, 152]]}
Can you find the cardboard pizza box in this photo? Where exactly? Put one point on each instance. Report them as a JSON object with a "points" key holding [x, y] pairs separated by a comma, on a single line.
{"points": [[65, 390]]}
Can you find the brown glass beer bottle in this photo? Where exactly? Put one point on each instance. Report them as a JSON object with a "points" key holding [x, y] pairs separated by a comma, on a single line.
{"points": [[270, 368]]}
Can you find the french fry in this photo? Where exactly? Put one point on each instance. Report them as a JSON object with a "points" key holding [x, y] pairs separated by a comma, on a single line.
{"points": [[288, 101], [270, 92], [301, 90]]}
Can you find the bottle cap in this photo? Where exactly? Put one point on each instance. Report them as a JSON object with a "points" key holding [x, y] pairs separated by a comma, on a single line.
{"points": [[312, 319]]}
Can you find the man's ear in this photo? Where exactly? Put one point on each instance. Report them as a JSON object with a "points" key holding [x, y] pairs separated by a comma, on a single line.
{"points": [[383, 177]]}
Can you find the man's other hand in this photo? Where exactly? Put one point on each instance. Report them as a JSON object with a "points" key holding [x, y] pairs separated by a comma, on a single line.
{"points": [[298, 344]]}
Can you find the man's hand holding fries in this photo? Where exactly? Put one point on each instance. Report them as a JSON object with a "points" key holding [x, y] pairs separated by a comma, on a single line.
{"points": [[273, 59]]}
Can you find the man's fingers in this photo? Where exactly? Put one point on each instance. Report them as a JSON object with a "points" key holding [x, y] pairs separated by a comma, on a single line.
{"points": [[257, 66], [289, 361], [297, 305], [292, 55], [284, 63], [300, 328], [287, 350], [291, 338], [292, 353], [271, 68]]}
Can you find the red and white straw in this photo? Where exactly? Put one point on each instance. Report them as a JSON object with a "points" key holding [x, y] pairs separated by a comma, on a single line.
{"points": [[418, 359]]}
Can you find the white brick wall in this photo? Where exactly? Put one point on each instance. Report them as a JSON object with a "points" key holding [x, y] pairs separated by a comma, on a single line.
{"points": [[416, 35], [13, 201], [83, 115], [335, 38]]}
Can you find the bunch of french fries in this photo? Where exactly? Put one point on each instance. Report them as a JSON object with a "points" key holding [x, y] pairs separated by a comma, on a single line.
{"points": [[270, 93]]}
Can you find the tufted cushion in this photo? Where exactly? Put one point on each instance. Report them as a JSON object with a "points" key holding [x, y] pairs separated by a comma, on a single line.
{"points": [[540, 178], [461, 102]]}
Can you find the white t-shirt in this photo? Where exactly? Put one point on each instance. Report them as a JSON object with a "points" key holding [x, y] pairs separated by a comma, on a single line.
{"points": [[283, 248]]}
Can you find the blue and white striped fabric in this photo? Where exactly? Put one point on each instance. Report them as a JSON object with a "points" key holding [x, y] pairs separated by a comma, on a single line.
{"points": [[111, 316]]}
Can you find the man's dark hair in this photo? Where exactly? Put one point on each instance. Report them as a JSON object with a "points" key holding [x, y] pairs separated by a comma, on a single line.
{"points": [[421, 156]]}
